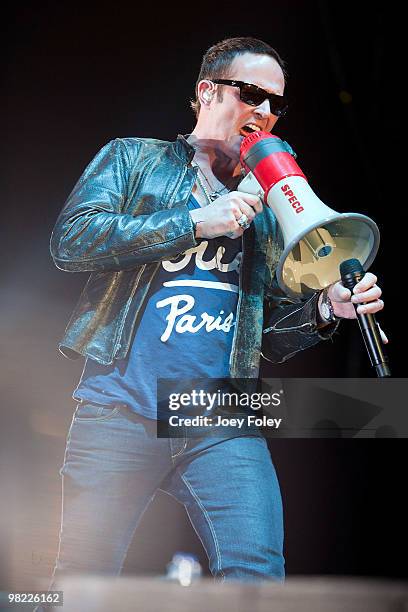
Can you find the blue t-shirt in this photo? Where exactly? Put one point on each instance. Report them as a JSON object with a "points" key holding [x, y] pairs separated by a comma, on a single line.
{"points": [[185, 331]]}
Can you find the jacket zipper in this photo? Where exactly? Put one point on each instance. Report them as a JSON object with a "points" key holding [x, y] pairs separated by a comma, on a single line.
{"points": [[119, 336]]}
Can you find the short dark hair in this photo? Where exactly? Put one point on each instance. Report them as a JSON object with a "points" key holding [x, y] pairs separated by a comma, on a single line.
{"points": [[218, 59]]}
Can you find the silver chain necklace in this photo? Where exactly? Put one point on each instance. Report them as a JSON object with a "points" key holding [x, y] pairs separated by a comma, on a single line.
{"points": [[214, 194], [210, 198]]}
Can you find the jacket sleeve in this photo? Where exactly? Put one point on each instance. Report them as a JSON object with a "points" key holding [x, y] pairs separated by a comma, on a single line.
{"points": [[92, 233], [290, 325]]}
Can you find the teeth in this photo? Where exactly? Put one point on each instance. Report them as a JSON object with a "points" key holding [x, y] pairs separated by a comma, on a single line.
{"points": [[253, 127], [249, 129]]}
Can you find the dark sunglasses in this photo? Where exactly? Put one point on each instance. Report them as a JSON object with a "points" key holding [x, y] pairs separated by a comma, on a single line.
{"points": [[254, 96]]}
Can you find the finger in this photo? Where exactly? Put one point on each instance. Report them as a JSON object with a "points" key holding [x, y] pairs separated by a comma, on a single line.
{"points": [[339, 293], [244, 209], [366, 282], [370, 308], [251, 200], [383, 336], [367, 296], [234, 230]]}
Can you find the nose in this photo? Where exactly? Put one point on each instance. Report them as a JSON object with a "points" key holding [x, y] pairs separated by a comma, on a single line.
{"points": [[263, 110]]}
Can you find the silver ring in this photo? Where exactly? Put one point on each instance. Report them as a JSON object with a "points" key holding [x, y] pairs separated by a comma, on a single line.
{"points": [[243, 221]]}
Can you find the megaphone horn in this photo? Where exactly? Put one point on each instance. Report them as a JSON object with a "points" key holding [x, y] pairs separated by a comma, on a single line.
{"points": [[317, 239]]}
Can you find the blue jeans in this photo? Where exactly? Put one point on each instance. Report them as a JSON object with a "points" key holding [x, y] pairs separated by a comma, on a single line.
{"points": [[114, 464]]}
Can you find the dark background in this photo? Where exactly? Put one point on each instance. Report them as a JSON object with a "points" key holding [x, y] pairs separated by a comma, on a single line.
{"points": [[77, 75]]}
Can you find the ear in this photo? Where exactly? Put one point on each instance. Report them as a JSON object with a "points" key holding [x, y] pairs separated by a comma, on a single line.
{"points": [[205, 92]]}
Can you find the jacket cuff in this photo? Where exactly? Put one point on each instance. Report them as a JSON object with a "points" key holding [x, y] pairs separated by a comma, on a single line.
{"points": [[293, 328]]}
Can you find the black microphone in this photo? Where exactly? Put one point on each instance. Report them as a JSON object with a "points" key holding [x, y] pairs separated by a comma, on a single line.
{"points": [[352, 272]]}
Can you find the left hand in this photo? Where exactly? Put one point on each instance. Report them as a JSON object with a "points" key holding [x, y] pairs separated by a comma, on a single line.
{"points": [[366, 293]]}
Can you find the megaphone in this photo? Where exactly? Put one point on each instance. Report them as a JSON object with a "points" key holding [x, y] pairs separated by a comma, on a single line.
{"points": [[317, 239]]}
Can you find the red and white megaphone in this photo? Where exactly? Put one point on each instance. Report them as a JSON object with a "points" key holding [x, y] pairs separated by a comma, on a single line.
{"points": [[316, 238]]}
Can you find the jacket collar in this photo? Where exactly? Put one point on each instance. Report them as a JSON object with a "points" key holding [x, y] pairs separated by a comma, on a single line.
{"points": [[183, 149]]}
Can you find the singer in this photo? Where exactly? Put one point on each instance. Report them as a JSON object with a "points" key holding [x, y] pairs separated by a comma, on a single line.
{"points": [[177, 290]]}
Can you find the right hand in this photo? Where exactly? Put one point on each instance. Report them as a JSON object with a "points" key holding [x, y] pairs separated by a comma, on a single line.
{"points": [[220, 218]]}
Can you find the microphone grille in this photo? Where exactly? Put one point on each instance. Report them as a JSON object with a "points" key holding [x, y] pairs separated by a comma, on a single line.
{"points": [[350, 266]]}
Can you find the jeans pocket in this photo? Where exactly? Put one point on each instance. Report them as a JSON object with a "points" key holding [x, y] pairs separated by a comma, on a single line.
{"points": [[96, 412]]}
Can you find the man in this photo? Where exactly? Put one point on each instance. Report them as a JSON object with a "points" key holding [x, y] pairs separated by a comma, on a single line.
{"points": [[162, 229]]}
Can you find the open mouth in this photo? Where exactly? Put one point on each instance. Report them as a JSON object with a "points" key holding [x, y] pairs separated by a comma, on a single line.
{"points": [[249, 129]]}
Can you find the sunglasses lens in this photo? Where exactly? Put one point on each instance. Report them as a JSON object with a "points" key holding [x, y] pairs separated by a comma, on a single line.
{"points": [[251, 95], [278, 107]]}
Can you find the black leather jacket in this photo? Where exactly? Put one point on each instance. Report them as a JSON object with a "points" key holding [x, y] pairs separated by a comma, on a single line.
{"points": [[128, 212]]}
